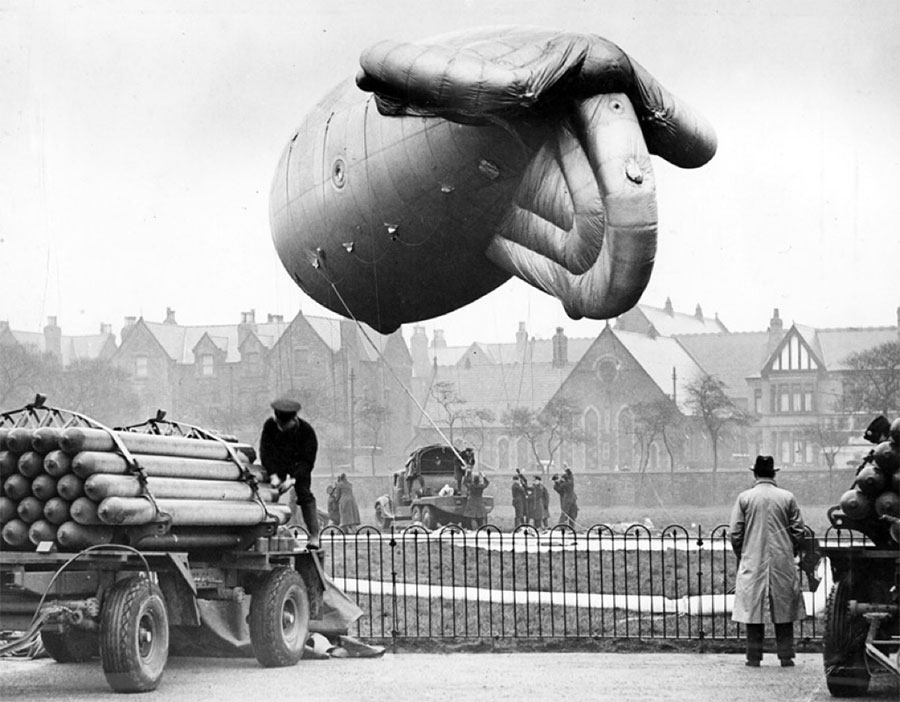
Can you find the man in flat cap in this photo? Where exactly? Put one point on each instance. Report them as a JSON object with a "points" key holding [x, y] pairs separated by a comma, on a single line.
{"points": [[287, 450], [766, 532]]}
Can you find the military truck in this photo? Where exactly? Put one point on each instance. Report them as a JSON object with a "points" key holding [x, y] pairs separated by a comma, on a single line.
{"points": [[426, 491]]}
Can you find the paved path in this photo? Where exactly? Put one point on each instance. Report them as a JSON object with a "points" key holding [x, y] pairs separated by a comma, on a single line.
{"points": [[426, 677]]}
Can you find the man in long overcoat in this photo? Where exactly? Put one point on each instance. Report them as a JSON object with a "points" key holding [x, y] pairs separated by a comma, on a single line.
{"points": [[766, 531], [518, 501], [346, 502]]}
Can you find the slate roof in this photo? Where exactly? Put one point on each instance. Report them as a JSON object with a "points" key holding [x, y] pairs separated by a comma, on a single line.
{"points": [[658, 356], [179, 341], [669, 323], [732, 358], [837, 344], [72, 348]]}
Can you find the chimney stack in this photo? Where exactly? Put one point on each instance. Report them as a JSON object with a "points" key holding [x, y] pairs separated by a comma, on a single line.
{"points": [[105, 328], [698, 313], [247, 326], [669, 310], [418, 349], [53, 338], [438, 342], [560, 349], [521, 342], [775, 324], [170, 316]]}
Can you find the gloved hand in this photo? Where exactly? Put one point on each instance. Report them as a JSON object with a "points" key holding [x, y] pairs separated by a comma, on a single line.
{"points": [[286, 485]]}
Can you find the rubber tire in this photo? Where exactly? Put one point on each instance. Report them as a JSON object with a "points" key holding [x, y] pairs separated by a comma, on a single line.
{"points": [[279, 618], [429, 518], [134, 635], [71, 645], [843, 642], [416, 515]]}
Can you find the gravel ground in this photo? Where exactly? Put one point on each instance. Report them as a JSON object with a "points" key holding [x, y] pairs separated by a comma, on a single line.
{"points": [[426, 677]]}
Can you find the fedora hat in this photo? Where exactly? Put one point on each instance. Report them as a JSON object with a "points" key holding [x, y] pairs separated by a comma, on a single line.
{"points": [[764, 464]]}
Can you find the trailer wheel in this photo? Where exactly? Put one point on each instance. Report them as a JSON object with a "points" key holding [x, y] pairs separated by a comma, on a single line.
{"points": [[383, 521], [134, 635], [429, 518], [279, 618], [71, 645], [844, 638]]}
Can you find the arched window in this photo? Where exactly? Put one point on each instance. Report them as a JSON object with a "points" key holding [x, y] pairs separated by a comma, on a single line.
{"points": [[523, 454], [502, 453], [591, 439], [625, 441]]}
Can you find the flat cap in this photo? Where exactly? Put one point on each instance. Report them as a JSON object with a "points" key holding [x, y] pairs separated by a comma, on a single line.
{"points": [[284, 405]]}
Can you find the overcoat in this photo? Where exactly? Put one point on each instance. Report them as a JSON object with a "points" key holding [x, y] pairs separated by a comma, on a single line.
{"points": [[765, 530], [349, 511], [475, 507]]}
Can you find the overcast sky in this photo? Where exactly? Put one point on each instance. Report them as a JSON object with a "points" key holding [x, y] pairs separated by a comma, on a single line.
{"points": [[138, 141]]}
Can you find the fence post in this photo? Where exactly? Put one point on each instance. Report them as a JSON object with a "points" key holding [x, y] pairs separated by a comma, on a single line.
{"points": [[394, 612]]}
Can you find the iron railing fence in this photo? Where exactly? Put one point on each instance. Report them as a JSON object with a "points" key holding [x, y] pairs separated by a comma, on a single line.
{"points": [[488, 584]]}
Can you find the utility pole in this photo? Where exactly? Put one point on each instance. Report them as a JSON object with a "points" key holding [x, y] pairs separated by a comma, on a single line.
{"points": [[352, 404], [674, 386]]}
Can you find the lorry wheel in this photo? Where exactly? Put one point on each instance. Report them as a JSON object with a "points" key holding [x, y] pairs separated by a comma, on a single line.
{"points": [[279, 618], [134, 635], [71, 645], [843, 641], [380, 518], [415, 516], [429, 518]]}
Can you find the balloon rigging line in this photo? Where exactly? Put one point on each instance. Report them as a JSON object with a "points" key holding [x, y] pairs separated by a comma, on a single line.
{"points": [[389, 366]]}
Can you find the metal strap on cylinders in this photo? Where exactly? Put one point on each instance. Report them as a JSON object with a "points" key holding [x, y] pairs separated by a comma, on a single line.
{"points": [[245, 473]]}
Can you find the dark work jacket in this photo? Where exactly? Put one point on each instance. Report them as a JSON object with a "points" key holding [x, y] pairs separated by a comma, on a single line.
{"points": [[518, 495], [291, 452]]}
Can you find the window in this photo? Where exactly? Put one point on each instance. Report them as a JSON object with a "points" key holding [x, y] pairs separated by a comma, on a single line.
{"points": [[808, 399], [207, 365], [784, 398], [786, 451], [757, 401], [796, 399], [140, 367], [591, 435]]}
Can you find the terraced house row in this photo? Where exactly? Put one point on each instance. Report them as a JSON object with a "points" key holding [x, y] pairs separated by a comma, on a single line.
{"points": [[375, 397]]}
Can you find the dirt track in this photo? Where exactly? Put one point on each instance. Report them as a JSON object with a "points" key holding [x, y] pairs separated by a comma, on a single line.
{"points": [[422, 677]]}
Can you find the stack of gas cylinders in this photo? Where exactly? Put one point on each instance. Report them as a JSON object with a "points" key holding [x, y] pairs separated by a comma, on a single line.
{"points": [[873, 501]]}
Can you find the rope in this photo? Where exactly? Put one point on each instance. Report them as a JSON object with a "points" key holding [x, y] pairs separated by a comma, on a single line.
{"points": [[387, 363]]}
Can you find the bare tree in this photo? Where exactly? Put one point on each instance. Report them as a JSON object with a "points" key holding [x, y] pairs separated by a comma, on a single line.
{"points": [[715, 411], [483, 416], [444, 393], [651, 419], [21, 373], [873, 382], [830, 435], [98, 389], [545, 431], [374, 416]]}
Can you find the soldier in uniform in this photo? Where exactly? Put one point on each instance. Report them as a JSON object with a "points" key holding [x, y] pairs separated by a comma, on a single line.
{"points": [[287, 450]]}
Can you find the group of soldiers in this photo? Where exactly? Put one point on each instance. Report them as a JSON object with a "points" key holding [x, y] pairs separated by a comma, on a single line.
{"points": [[531, 501]]}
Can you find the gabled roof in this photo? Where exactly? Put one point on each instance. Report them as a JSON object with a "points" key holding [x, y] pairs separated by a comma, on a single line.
{"points": [[72, 348], [668, 322], [659, 356], [179, 341], [732, 358], [837, 344]]}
